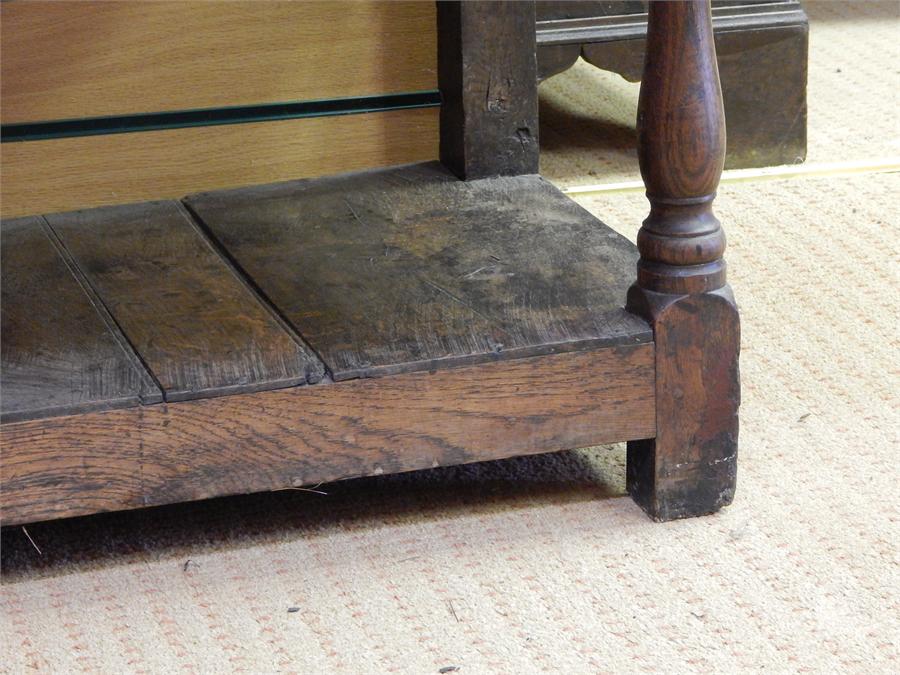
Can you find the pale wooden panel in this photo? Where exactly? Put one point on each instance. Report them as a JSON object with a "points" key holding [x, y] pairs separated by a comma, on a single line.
{"points": [[73, 173], [82, 59]]}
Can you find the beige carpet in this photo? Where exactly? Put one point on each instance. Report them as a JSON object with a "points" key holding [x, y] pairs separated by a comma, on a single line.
{"points": [[541, 564]]}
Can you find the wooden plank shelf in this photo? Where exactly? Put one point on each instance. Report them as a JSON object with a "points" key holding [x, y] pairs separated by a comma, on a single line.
{"points": [[61, 353], [409, 268], [196, 325], [293, 333]]}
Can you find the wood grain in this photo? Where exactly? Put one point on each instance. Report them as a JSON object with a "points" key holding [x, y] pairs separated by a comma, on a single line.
{"points": [[689, 469], [681, 101], [75, 173], [194, 323], [175, 452], [681, 127], [63, 60], [487, 72], [59, 355], [409, 268]]}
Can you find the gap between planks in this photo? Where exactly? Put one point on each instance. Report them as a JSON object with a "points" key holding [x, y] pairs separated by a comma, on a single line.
{"points": [[131, 353]]}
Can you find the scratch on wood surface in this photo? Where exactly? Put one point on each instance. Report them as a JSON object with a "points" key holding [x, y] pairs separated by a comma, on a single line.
{"points": [[355, 214], [474, 272], [443, 290]]}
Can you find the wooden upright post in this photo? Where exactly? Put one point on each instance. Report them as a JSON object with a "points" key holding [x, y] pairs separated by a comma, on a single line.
{"points": [[689, 469], [487, 73]]}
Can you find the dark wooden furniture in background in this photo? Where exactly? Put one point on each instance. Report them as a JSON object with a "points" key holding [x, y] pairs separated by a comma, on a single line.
{"points": [[762, 50], [396, 319]]}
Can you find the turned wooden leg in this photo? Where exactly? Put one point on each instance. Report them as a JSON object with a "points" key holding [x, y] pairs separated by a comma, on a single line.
{"points": [[689, 468]]}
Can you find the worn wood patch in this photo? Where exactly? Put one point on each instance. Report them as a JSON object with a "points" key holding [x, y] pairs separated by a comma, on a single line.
{"points": [[122, 459], [410, 269], [59, 355], [194, 322]]}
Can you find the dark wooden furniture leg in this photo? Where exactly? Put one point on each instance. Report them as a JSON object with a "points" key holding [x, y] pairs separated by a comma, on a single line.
{"points": [[487, 72], [689, 468]]}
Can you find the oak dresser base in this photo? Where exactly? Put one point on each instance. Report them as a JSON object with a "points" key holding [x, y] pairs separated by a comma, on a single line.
{"points": [[395, 319]]}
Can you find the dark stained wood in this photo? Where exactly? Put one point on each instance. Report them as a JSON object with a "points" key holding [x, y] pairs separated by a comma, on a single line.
{"points": [[175, 452], [487, 74], [554, 59], [689, 469], [409, 268], [59, 355], [561, 10], [195, 324], [766, 115], [762, 55]]}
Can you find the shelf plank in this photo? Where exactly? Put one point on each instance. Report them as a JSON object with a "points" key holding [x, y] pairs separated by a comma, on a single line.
{"points": [[121, 459], [59, 354], [408, 268], [197, 326]]}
